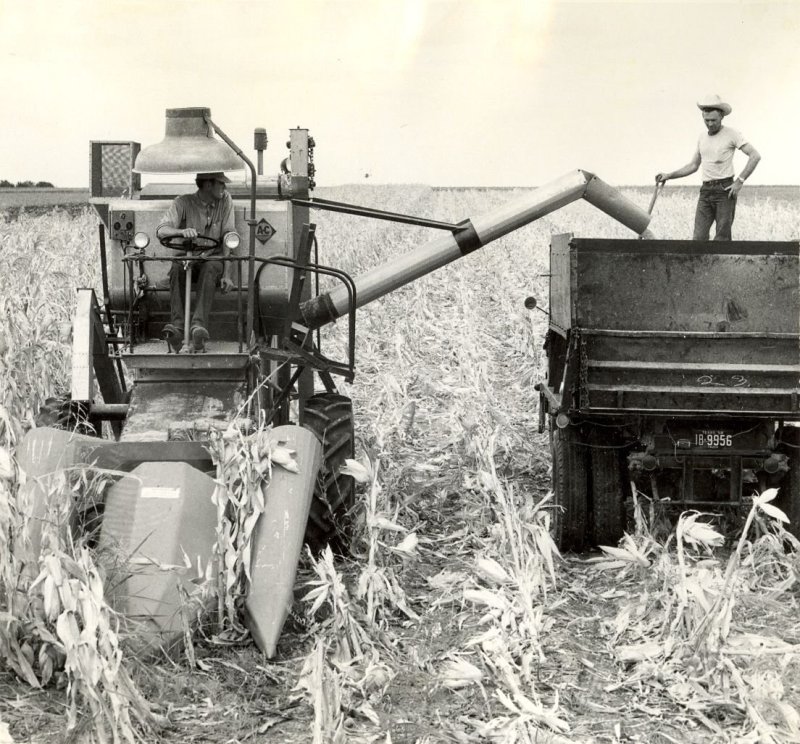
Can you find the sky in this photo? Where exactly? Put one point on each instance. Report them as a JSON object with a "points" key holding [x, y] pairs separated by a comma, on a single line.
{"points": [[438, 92]]}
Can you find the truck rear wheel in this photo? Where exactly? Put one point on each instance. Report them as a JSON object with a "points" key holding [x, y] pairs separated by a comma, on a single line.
{"points": [[330, 417], [788, 499], [570, 487], [608, 495]]}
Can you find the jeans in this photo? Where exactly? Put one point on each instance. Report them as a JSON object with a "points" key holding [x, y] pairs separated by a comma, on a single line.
{"points": [[208, 274], [714, 205]]}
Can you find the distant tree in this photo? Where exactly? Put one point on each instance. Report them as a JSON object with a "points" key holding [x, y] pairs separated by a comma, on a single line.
{"points": [[24, 184], [44, 185], [6, 184]]}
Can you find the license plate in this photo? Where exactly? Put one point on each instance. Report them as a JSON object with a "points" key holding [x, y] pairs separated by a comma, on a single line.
{"points": [[711, 439]]}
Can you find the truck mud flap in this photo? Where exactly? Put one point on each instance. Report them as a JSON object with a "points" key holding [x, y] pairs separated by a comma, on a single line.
{"points": [[609, 486]]}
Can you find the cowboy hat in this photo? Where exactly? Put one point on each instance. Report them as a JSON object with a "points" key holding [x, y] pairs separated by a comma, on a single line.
{"points": [[713, 101], [216, 176]]}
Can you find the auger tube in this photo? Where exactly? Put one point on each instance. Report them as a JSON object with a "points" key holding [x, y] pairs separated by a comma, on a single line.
{"points": [[475, 234]]}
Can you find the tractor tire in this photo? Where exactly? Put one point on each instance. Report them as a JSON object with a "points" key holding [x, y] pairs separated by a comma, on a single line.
{"points": [[608, 496], [570, 488], [788, 499], [330, 417]]}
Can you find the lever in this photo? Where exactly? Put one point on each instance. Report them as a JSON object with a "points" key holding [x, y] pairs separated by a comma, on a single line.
{"points": [[531, 303]]}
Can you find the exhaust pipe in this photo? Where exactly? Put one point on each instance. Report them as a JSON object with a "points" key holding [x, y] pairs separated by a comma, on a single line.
{"points": [[474, 234]]}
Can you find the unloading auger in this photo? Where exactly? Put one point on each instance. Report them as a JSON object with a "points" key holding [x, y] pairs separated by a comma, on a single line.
{"points": [[472, 234]]}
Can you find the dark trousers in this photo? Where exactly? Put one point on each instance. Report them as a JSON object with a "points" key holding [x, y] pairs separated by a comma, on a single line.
{"points": [[207, 274], [714, 205]]}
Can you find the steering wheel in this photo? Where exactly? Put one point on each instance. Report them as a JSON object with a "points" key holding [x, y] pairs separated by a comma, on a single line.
{"points": [[191, 245]]}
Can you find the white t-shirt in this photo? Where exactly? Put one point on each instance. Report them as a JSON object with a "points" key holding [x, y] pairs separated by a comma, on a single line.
{"points": [[716, 153]]}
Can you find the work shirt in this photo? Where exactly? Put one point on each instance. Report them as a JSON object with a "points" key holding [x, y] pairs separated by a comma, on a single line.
{"points": [[716, 153], [211, 220]]}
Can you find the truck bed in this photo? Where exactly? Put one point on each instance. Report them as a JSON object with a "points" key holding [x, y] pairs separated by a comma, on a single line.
{"points": [[678, 327]]}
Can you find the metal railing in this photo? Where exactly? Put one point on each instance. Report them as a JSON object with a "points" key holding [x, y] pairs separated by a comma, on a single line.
{"points": [[133, 260]]}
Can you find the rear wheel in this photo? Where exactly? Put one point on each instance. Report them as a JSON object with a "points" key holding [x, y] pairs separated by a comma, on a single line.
{"points": [[788, 499], [570, 487], [330, 417], [608, 495]]}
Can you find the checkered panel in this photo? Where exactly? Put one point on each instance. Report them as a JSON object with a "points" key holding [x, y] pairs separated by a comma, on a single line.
{"points": [[115, 168], [111, 168]]}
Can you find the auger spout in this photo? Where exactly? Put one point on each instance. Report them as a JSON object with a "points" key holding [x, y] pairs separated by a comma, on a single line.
{"points": [[474, 234]]}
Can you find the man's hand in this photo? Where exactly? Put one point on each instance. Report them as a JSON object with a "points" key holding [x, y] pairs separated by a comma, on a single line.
{"points": [[662, 177], [226, 284], [189, 232], [734, 189]]}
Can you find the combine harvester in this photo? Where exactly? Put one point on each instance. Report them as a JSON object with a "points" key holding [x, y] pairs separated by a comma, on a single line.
{"points": [[265, 362]]}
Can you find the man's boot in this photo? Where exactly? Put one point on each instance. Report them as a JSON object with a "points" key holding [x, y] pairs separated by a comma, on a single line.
{"points": [[173, 336], [199, 338]]}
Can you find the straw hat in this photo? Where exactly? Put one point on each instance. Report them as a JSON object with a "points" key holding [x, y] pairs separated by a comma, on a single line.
{"points": [[713, 101], [216, 176]]}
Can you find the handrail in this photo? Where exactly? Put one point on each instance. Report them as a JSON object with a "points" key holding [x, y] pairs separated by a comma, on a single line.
{"points": [[276, 260]]}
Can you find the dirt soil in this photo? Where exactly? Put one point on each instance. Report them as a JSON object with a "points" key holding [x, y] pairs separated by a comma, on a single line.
{"points": [[238, 696]]}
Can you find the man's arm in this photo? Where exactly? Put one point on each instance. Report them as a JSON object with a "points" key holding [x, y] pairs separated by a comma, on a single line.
{"points": [[228, 226], [171, 218], [167, 231], [686, 170], [753, 158]]}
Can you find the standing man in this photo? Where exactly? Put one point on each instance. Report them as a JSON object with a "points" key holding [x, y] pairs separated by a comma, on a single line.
{"points": [[207, 213], [714, 156]]}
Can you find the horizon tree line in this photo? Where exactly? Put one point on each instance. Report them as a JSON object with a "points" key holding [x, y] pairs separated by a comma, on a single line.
{"points": [[4, 184]]}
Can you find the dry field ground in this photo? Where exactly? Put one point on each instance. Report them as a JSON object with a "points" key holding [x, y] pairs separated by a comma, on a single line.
{"points": [[453, 619], [41, 198]]}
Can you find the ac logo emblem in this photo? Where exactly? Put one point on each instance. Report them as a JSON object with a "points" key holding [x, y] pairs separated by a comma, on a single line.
{"points": [[264, 231]]}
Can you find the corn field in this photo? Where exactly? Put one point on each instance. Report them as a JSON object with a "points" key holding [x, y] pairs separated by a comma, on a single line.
{"points": [[453, 618]]}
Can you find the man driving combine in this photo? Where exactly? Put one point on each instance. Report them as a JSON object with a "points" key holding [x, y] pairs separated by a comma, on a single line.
{"points": [[714, 156], [207, 213]]}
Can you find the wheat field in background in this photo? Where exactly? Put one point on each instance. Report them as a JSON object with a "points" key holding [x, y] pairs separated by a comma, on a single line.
{"points": [[454, 619]]}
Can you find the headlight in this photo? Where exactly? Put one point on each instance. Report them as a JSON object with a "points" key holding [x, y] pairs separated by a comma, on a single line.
{"points": [[141, 240], [231, 240]]}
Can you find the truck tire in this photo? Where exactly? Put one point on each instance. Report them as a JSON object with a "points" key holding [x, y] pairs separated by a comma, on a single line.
{"points": [[608, 517], [330, 417], [570, 488], [788, 499]]}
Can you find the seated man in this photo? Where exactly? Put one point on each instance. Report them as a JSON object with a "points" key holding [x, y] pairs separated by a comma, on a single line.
{"points": [[208, 213]]}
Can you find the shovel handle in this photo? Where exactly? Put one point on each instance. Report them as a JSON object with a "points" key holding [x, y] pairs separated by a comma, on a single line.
{"points": [[659, 187]]}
